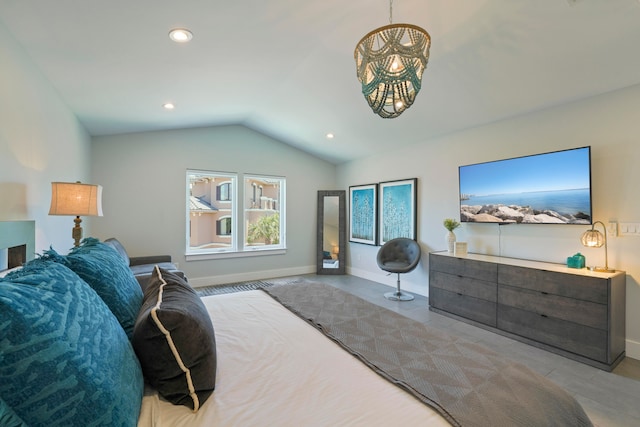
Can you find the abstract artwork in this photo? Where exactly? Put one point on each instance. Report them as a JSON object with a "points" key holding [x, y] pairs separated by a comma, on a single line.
{"points": [[363, 209], [397, 209]]}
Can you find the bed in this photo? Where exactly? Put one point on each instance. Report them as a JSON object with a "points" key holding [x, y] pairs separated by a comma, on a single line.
{"points": [[284, 359]]}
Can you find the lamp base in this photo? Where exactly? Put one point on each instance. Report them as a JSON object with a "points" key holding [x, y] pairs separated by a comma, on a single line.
{"points": [[602, 269], [76, 232]]}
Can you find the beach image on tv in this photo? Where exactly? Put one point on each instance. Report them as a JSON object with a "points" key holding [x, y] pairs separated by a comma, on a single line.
{"points": [[549, 188]]}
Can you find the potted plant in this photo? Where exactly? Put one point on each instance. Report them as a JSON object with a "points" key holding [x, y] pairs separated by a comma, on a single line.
{"points": [[451, 224]]}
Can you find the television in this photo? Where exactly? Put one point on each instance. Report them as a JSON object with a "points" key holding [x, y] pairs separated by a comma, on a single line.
{"points": [[547, 188]]}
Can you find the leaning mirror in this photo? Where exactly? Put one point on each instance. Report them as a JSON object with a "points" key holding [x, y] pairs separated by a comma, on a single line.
{"points": [[331, 235]]}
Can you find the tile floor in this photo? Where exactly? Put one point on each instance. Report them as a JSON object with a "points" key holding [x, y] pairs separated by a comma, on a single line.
{"points": [[609, 398]]}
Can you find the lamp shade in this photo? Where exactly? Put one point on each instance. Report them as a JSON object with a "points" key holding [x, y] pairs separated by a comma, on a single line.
{"points": [[75, 198], [592, 238]]}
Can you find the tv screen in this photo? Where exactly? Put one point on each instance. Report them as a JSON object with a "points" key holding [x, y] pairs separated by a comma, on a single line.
{"points": [[547, 188]]}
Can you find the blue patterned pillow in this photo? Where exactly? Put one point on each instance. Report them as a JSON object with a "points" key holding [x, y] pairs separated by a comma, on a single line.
{"points": [[64, 359], [8, 417], [106, 272]]}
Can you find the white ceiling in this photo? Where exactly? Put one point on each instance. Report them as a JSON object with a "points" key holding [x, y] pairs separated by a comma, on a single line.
{"points": [[286, 68]]}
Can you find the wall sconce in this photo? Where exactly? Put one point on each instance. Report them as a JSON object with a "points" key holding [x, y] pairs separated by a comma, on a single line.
{"points": [[594, 239], [75, 198]]}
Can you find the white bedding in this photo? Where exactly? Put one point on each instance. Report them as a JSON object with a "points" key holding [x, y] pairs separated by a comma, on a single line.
{"points": [[276, 370]]}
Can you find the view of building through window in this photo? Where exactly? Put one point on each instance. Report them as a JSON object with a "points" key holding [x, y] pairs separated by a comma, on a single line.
{"points": [[215, 223]]}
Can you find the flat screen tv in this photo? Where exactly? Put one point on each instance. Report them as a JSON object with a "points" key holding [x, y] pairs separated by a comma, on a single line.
{"points": [[547, 188]]}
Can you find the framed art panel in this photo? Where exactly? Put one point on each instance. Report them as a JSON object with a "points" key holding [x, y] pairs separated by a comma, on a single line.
{"points": [[398, 209], [363, 209]]}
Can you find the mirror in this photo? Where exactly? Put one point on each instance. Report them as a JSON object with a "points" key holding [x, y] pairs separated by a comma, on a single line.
{"points": [[331, 235]]}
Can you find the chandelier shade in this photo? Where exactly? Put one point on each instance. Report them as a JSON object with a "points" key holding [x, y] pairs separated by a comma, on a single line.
{"points": [[390, 61]]}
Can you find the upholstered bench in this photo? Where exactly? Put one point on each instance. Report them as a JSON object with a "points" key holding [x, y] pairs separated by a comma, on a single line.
{"points": [[142, 266]]}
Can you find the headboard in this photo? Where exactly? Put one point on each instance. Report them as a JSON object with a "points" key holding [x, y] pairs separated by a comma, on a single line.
{"points": [[17, 243]]}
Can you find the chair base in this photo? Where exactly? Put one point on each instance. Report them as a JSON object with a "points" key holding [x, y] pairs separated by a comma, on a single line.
{"points": [[398, 296]]}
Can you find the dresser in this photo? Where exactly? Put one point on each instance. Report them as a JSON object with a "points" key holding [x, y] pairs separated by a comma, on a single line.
{"points": [[577, 313]]}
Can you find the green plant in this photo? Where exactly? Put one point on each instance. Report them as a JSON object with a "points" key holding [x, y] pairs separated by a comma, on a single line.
{"points": [[451, 224], [266, 228]]}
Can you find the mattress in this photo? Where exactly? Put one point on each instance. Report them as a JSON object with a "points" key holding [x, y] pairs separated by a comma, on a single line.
{"points": [[275, 369]]}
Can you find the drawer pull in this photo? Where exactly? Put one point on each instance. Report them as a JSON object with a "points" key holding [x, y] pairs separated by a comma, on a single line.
{"points": [[544, 315], [459, 294], [544, 293]]}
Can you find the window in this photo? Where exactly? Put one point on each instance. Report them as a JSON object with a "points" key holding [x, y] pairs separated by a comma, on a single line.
{"points": [[262, 215], [224, 191], [215, 223], [224, 226]]}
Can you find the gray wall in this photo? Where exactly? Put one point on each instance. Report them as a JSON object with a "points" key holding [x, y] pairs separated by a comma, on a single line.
{"points": [[609, 123], [40, 141], [143, 176]]}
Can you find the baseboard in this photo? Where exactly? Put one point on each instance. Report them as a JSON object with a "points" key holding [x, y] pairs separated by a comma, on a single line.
{"points": [[198, 282], [633, 349]]}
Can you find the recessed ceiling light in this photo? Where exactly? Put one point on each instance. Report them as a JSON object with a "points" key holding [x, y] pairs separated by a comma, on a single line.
{"points": [[169, 106], [330, 135], [180, 35]]}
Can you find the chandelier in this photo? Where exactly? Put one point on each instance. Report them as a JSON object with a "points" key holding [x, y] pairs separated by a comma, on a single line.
{"points": [[390, 61]]}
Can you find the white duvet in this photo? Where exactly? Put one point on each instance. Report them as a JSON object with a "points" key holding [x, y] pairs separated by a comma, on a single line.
{"points": [[276, 370]]}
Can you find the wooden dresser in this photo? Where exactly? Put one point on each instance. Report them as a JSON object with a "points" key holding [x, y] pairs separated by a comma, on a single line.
{"points": [[577, 313]]}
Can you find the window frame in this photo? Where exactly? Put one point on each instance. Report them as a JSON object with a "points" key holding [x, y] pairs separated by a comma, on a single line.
{"points": [[280, 203], [235, 210]]}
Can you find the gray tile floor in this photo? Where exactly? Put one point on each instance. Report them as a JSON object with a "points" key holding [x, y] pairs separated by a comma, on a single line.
{"points": [[609, 398]]}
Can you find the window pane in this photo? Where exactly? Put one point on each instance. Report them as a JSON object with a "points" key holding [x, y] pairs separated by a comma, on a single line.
{"points": [[264, 220], [210, 211]]}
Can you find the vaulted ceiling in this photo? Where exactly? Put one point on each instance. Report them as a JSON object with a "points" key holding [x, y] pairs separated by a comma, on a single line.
{"points": [[285, 68]]}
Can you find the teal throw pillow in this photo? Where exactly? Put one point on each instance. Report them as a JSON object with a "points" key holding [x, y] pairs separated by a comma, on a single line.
{"points": [[64, 359], [106, 272], [8, 417]]}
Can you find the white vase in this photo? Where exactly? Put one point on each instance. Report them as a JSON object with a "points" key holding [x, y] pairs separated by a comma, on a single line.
{"points": [[451, 241]]}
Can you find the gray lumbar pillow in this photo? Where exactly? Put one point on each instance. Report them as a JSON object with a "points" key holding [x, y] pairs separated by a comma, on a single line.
{"points": [[175, 342]]}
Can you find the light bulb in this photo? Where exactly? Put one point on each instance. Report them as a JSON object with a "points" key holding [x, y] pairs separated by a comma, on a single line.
{"points": [[180, 35]]}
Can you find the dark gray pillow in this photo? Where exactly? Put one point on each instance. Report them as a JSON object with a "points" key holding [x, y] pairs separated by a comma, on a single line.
{"points": [[174, 339]]}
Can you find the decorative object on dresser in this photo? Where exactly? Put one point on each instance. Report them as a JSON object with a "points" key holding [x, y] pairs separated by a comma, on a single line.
{"points": [[460, 249], [577, 313], [592, 238], [450, 224], [398, 256], [76, 199]]}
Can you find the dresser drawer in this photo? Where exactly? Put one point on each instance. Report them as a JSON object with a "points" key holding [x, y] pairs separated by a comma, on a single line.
{"points": [[476, 309], [480, 270], [569, 285], [572, 310], [464, 285], [569, 336]]}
